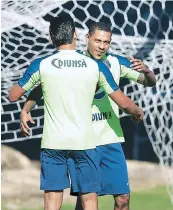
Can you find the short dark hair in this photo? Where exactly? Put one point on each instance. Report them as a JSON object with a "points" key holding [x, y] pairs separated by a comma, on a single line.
{"points": [[62, 30], [101, 26]]}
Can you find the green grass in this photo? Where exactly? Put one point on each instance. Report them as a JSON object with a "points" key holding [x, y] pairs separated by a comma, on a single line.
{"points": [[153, 199]]}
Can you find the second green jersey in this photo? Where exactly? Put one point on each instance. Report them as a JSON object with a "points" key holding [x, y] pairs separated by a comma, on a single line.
{"points": [[105, 112]]}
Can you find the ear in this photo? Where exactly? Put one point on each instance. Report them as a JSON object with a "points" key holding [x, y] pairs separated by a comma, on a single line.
{"points": [[50, 40], [87, 37], [75, 35]]}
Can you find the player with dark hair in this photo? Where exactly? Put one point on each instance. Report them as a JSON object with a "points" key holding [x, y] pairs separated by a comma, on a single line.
{"points": [[101, 26], [114, 175]]}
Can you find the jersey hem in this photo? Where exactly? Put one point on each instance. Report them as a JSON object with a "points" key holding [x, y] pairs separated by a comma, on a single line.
{"points": [[111, 142], [68, 148]]}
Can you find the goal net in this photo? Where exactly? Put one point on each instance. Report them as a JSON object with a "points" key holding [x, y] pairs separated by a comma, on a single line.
{"points": [[141, 29]]}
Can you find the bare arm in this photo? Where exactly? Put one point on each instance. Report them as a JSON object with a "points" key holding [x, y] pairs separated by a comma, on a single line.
{"points": [[16, 92], [146, 77], [34, 96], [25, 116], [28, 106], [127, 105]]}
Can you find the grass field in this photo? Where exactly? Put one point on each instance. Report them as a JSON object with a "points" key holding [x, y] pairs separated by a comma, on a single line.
{"points": [[153, 199]]}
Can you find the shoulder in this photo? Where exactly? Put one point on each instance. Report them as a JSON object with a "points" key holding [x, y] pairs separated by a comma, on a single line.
{"points": [[102, 67], [80, 52], [35, 64], [37, 61], [88, 59], [122, 60], [83, 55]]}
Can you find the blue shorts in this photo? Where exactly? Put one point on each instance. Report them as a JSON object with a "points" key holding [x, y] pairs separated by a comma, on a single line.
{"points": [[113, 170], [81, 165]]}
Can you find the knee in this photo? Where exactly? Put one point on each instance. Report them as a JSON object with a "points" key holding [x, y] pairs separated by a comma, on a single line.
{"points": [[53, 200], [122, 201], [51, 207], [89, 201]]}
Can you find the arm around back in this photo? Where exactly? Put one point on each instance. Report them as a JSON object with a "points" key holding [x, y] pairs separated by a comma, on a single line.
{"points": [[126, 104], [111, 88]]}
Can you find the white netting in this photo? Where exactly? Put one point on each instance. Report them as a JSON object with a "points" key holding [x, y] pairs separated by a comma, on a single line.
{"points": [[140, 28]]}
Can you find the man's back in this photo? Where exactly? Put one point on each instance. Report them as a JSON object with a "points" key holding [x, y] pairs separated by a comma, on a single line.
{"points": [[68, 81]]}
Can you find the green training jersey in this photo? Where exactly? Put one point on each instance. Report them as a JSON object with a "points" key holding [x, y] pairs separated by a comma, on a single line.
{"points": [[105, 112]]}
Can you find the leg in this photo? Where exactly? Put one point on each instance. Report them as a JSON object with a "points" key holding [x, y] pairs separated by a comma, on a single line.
{"points": [[114, 176], [53, 200], [79, 204], [122, 202], [84, 173], [54, 177], [89, 201]]}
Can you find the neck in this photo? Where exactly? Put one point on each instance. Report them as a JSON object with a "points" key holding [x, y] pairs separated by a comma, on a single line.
{"points": [[67, 47]]}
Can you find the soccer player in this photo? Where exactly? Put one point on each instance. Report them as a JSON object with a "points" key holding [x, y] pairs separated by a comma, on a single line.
{"points": [[114, 176], [68, 82]]}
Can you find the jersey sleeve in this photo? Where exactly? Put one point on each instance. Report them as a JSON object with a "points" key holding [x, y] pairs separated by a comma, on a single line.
{"points": [[31, 76], [129, 73], [123, 61], [126, 71], [106, 79]]}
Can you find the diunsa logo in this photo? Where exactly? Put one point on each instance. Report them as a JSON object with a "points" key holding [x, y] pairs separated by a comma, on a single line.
{"points": [[57, 63]]}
